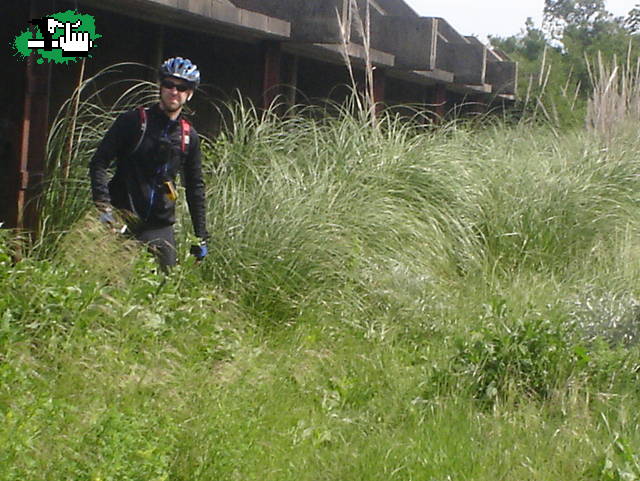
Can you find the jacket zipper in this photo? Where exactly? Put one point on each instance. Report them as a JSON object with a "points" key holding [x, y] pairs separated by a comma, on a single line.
{"points": [[165, 133]]}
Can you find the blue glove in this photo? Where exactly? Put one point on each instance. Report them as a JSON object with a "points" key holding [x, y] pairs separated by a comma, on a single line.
{"points": [[199, 251], [106, 217]]}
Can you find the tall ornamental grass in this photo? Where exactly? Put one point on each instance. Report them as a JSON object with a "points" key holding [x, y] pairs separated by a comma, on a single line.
{"points": [[310, 210], [615, 102], [75, 133]]}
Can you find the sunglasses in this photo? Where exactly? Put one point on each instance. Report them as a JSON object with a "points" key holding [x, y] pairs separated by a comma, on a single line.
{"points": [[168, 84]]}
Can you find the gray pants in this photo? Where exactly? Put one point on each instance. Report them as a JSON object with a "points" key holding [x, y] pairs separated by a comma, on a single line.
{"points": [[161, 242]]}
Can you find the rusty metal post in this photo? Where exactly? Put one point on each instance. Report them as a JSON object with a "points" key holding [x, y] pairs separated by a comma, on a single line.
{"points": [[379, 85], [272, 68], [33, 136], [440, 101], [292, 83]]}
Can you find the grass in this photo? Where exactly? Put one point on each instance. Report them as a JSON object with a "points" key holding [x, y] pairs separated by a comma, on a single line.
{"points": [[388, 302], [615, 102]]}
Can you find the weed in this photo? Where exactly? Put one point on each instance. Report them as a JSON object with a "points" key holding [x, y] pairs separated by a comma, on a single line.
{"points": [[507, 359]]}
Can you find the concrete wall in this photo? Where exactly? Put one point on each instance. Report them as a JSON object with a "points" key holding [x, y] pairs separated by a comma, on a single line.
{"points": [[313, 21], [503, 76], [396, 8], [466, 61], [411, 39], [455, 53]]}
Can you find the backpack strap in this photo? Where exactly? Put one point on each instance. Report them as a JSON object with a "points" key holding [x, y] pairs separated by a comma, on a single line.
{"points": [[185, 130], [142, 115]]}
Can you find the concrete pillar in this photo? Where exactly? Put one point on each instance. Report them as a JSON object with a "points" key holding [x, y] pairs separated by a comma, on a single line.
{"points": [[271, 80]]}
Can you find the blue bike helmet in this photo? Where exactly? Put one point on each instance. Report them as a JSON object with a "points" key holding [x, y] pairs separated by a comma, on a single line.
{"points": [[181, 68]]}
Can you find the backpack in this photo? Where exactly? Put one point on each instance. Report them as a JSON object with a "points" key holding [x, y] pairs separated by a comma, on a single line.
{"points": [[185, 130]]}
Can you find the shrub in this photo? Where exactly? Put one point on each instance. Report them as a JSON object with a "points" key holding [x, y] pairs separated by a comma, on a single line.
{"points": [[525, 357]]}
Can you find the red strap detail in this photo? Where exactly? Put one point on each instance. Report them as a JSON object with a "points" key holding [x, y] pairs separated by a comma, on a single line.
{"points": [[185, 129], [142, 112]]}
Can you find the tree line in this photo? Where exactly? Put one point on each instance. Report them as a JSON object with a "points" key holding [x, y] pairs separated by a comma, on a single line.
{"points": [[557, 59]]}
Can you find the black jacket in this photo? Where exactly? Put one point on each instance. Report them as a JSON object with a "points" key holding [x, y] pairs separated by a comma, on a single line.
{"points": [[139, 184]]}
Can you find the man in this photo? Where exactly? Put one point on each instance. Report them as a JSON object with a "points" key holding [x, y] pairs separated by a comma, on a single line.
{"points": [[150, 147]]}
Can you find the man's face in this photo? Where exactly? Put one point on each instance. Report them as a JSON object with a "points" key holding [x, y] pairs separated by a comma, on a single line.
{"points": [[174, 93]]}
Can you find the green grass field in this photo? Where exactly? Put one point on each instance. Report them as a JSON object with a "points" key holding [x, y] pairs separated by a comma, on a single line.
{"points": [[392, 303]]}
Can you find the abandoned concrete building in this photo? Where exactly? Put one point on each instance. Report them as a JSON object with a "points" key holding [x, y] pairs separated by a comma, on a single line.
{"points": [[264, 49]]}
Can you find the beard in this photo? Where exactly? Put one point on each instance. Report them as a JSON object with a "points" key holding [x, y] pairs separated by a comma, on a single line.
{"points": [[171, 105]]}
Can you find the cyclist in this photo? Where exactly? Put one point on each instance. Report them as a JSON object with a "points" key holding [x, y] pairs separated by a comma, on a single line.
{"points": [[150, 146]]}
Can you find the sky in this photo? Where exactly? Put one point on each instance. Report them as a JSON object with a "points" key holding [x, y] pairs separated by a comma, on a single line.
{"points": [[496, 17]]}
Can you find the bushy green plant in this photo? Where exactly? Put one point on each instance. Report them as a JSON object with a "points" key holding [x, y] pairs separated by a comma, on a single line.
{"points": [[620, 462], [507, 359]]}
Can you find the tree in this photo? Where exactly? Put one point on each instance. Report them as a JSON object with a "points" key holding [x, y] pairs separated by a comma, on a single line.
{"points": [[632, 23], [584, 15], [553, 60], [530, 43]]}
